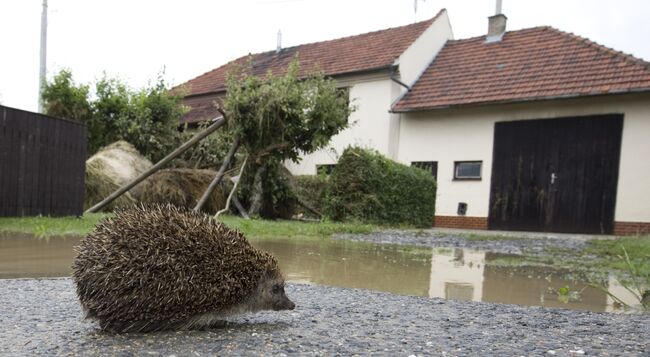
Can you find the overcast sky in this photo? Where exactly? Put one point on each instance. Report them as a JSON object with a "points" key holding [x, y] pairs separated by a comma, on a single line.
{"points": [[135, 40]]}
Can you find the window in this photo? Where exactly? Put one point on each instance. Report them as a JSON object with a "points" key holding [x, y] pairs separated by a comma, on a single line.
{"points": [[325, 169], [467, 170], [459, 291], [431, 166]]}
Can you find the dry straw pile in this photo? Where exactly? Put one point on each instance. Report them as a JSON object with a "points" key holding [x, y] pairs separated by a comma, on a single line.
{"points": [[110, 168], [182, 188]]}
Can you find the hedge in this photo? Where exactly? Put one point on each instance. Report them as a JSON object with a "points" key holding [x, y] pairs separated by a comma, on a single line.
{"points": [[368, 187], [311, 190]]}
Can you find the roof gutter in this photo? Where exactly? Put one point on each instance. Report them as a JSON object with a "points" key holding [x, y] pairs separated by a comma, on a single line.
{"points": [[394, 79], [521, 100], [390, 68]]}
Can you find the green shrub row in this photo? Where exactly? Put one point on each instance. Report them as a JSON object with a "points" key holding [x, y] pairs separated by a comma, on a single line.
{"points": [[311, 190], [368, 187]]}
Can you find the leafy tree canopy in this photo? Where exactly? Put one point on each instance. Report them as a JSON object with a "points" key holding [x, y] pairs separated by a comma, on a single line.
{"points": [[147, 118], [279, 118], [290, 114]]}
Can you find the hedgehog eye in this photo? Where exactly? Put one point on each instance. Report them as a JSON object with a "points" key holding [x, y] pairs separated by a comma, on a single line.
{"points": [[275, 289]]}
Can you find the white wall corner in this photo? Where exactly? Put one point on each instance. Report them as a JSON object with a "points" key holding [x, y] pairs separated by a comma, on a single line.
{"points": [[419, 55]]}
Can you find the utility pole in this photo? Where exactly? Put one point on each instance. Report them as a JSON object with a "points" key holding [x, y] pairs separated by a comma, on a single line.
{"points": [[43, 65]]}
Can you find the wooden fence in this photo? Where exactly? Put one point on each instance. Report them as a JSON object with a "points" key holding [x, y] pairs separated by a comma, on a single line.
{"points": [[42, 164]]}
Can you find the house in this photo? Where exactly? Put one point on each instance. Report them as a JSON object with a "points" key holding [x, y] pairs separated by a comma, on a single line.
{"points": [[373, 67], [534, 129]]}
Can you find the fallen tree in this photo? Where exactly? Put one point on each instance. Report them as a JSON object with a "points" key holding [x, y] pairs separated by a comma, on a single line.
{"points": [[279, 118]]}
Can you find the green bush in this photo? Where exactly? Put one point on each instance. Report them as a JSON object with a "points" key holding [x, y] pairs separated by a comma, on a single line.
{"points": [[278, 199], [311, 190], [368, 187], [147, 118], [207, 153]]}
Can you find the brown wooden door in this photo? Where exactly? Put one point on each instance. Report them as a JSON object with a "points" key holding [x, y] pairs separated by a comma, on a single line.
{"points": [[556, 175]]}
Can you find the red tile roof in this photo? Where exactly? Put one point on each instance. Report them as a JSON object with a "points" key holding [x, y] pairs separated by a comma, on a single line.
{"points": [[531, 64], [200, 109], [373, 50]]}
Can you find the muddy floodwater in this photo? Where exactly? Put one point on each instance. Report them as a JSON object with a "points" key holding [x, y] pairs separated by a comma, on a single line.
{"points": [[450, 273]]}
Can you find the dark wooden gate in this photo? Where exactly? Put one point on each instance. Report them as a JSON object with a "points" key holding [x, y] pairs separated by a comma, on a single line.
{"points": [[42, 164], [556, 175]]}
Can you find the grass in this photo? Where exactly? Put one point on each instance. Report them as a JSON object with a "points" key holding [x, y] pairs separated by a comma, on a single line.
{"points": [[51, 226], [598, 258], [254, 228], [610, 252], [260, 229]]}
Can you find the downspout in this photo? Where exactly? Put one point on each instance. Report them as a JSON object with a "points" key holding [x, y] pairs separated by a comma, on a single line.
{"points": [[394, 151]]}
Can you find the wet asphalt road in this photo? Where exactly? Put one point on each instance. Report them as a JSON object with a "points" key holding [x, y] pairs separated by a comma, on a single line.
{"points": [[43, 317]]}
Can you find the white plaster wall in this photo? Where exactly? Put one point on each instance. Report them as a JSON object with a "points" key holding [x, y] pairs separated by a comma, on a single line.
{"points": [[373, 126], [394, 124], [621, 292], [417, 57], [446, 269], [466, 134], [369, 128]]}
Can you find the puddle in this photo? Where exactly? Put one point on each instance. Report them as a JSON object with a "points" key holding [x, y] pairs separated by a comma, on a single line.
{"points": [[440, 272], [26, 256]]}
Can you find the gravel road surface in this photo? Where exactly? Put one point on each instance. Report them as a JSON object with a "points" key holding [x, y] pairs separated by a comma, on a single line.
{"points": [[508, 243], [43, 317]]}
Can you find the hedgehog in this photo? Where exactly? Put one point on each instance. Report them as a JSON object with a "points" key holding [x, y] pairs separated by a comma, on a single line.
{"points": [[152, 268]]}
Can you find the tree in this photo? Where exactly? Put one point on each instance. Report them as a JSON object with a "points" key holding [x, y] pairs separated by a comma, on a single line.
{"points": [[63, 98], [278, 118], [148, 118]]}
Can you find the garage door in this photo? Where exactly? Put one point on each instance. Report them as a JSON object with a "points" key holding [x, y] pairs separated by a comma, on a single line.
{"points": [[556, 175]]}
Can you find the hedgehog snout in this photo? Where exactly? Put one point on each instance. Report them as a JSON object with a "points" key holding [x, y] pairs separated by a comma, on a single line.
{"points": [[284, 304]]}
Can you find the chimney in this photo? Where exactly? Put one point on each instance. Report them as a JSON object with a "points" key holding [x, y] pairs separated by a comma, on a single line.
{"points": [[279, 47], [496, 25]]}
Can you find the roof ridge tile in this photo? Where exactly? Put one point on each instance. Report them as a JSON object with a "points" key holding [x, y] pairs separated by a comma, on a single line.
{"points": [[297, 48], [536, 63], [602, 48]]}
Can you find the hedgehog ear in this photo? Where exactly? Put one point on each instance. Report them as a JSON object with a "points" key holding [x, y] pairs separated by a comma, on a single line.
{"points": [[273, 274]]}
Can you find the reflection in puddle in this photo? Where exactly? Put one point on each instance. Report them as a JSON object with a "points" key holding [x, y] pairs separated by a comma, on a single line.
{"points": [[26, 256], [440, 272], [457, 274], [377, 267]]}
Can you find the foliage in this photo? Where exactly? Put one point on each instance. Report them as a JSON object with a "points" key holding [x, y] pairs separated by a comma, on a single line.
{"points": [[638, 283], [261, 229], [207, 153], [566, 295], [147, 118], [301, 113], [255, 228], [63, 98], [612, 251], [278, 118], [368, 187], [312, 189], [51, 226], [278, 199]]}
